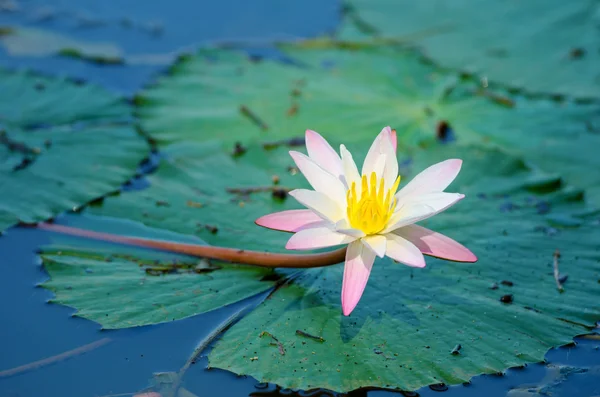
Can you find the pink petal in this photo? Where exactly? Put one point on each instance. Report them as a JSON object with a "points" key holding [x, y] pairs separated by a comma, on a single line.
{"points": [[289, 221], [394, 139], [317, 237], [321, 152], [403, 251], [321, 180], [359, 261], [433, 179], [375, 243], [436, 244]]}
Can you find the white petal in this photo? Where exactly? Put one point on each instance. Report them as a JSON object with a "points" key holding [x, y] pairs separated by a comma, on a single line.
{"points": [[427, 206], [433, 179], [390, 172], [343, 226], [376, 243], [377, 148], [317, 237], [321, 152], [359, 262], [351, 174], [321, 180], [379, 166], [402, 250], [319, 203]]}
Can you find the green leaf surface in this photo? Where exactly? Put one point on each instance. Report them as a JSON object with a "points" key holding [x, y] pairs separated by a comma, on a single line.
{"points": [[30, 42], [223, 95], [542, 46], [408, 321], [62, 144], [121, 287]]}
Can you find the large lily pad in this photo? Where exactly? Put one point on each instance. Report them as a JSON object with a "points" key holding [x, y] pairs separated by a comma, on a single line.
{"points": [[348, 93], [409, 321], [543, 46], [122, 287], [62, 144]]}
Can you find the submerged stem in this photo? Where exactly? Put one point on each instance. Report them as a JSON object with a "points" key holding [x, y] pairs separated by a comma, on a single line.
{"points": [[255, 258]]}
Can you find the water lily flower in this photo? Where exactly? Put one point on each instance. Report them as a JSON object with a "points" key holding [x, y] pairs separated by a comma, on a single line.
{"points": [[367, 211]]}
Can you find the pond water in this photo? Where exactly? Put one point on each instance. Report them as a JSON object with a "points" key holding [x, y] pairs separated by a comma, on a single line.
{"points": [[124, 362]]}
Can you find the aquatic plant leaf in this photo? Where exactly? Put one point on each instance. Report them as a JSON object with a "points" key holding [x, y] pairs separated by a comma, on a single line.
{"points": [[503, 311], [121, 286], [31, 42], [62, 144], [542, 46], [347, 91]]}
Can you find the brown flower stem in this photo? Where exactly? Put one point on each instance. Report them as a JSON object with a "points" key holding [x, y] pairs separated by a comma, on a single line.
{"points": [[235, 255]]}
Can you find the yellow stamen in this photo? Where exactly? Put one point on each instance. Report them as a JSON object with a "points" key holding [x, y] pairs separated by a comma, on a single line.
{"points": [[372, 209]]}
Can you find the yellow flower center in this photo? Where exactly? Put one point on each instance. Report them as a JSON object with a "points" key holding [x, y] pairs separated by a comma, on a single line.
{"points": [[371, 210]]}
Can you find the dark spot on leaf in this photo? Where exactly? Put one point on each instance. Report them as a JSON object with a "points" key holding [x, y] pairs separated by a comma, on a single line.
{"points": [[280, 194], [577, 53], [239, 149], [271, 277], [493, 286], [508, 283], [508, 298], [444, 132], [532, 309]]}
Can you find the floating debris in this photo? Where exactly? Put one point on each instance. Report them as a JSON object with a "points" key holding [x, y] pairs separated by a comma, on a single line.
{"points": [[456, 350], [292, 142], [556, 272], [275, 340], [307, 335], [253, 117]]}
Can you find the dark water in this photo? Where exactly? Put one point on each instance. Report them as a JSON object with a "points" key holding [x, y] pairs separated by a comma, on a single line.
{"points": [[32, 329]]}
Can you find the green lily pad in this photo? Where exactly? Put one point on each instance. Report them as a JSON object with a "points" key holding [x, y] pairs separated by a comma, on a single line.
{"points": [[31, 42], [62, 144], [543, 46], [121, 287], [503, 311], [223, 95]]}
